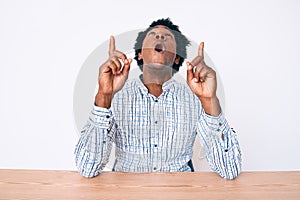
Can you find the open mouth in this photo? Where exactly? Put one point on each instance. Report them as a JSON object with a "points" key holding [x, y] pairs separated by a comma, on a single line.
{"points": [[159, 48]]}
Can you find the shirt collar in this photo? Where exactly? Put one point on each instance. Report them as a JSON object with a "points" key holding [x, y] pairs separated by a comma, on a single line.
{"points": [[167, 86]]}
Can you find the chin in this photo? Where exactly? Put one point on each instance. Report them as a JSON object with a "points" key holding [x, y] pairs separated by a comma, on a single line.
{"points": [[156, 65]]}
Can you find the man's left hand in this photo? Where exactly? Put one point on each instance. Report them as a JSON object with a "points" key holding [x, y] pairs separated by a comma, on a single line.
{"points": [[203, 82], [200, 77]]}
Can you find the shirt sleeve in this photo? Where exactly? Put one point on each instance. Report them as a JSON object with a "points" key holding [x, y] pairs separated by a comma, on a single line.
{"points": [[221, 145], [94, 146]]}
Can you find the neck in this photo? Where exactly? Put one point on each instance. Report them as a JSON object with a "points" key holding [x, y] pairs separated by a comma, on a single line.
{"points": [[153, 79]]}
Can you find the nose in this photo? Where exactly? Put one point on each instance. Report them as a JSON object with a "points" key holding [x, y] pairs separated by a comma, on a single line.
{"points": [[160, 36]]}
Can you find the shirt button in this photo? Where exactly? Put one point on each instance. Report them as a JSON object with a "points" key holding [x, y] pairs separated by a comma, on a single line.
{"points": [[156, 122], [218, 129], [156, 100], [107, 116], [155, 145], [220, 124], [154, 168], [226, 150]]}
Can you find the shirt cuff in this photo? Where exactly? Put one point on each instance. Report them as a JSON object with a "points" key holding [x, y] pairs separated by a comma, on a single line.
{"points": [[216, 124], [101, 116]]}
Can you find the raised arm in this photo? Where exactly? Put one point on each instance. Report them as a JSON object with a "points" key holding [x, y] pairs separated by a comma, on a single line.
{"points": [[219, 140], [97, 136]]}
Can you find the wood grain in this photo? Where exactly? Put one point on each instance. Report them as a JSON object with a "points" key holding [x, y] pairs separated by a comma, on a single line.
{"points": [[51, 184]]}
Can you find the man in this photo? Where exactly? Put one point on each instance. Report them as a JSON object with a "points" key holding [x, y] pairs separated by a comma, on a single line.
{"points": [[153, 120]]}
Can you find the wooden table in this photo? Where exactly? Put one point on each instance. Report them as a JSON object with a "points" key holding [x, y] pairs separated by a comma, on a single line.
{"points": [[54, 185]]}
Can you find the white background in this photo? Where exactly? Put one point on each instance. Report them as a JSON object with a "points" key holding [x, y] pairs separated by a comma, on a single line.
{"points": [[43, 44]]}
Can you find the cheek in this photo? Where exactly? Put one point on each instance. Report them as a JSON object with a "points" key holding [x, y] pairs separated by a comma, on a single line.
{"points": [[145, 54], [146, 44], [171, 57], [173, 48]]}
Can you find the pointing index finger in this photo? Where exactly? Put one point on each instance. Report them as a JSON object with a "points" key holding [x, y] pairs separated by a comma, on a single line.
{"points": [[200, 50], [112, 46]]}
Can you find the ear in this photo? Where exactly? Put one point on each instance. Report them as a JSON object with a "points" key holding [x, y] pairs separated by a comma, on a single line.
{"points": [[140, 57], [177, 59]]}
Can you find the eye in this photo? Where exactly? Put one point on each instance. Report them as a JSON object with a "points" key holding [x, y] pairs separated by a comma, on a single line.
{"points": [[168, 36], [151, 33]]}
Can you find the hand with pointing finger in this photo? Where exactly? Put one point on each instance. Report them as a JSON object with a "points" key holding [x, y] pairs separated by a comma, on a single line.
{"points": [[203, 82], [112, 75]]}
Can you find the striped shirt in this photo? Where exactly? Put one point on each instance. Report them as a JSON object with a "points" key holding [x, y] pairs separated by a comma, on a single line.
{"points": [[156, 134]]}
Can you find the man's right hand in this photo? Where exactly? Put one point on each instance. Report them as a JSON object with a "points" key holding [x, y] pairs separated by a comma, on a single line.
{"points": [[112, 75]]}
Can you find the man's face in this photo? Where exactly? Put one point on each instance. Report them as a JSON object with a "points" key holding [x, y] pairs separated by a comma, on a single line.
{"points": [[159, 48]]}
